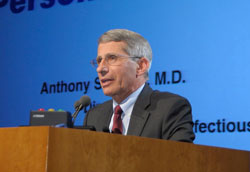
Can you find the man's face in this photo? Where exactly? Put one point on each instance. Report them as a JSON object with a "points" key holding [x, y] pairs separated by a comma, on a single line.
{"points": [[118, 80]]}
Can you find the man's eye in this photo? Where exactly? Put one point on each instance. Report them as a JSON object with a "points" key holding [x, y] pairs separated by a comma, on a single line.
{"points": [[112, 57], [99, 60]]}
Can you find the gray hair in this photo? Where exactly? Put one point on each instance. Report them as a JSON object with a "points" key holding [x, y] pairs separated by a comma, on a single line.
{"points": [[137, 46]]}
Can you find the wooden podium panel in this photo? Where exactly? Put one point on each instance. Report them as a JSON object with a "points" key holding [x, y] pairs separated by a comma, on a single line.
{"points": [[23, 149], [49, 149]]}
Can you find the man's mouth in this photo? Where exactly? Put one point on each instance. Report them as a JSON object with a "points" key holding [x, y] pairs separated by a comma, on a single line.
{"points": [[106, 82]]}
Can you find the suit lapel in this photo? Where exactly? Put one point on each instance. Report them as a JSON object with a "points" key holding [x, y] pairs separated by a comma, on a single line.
{"points": [[108, 111], [139, 114]]}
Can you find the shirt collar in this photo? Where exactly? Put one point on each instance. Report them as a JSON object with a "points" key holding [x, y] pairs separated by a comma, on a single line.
{"points": [[130, 100]]}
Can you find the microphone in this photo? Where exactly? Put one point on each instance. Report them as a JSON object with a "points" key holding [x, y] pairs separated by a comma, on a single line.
{"points": [[86, 127], [105, 129], [79, 105], [116, 131]]}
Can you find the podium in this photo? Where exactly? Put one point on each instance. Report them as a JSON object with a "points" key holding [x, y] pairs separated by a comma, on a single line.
{"points": [[48, 149]]}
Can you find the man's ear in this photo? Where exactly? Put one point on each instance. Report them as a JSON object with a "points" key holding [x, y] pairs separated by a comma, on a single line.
{"points": [[143, 66]]}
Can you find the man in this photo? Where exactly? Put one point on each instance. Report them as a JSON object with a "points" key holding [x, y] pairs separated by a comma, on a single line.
{"points": [[123, 61]]}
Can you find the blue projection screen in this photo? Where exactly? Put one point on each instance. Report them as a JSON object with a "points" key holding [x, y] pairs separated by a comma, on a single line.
{"points": [[201, 50]]}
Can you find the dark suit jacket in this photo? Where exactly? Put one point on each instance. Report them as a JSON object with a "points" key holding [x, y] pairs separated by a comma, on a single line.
{"points": [[155, 114]]}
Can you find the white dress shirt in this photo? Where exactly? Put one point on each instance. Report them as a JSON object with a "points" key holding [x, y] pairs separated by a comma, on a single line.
{"points": [[127, 106]]}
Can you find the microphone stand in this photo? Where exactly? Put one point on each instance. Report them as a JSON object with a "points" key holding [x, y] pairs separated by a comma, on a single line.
{"points": [[78, 108]]}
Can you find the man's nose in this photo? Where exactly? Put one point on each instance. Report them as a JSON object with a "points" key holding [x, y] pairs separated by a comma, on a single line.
{"points": [[102, 67]]}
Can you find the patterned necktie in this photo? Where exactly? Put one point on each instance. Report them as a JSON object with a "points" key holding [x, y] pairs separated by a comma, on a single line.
{"points": [[117, 120]]}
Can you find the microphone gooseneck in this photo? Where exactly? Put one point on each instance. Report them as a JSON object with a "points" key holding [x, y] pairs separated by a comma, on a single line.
{"points": [[79, 105]]}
